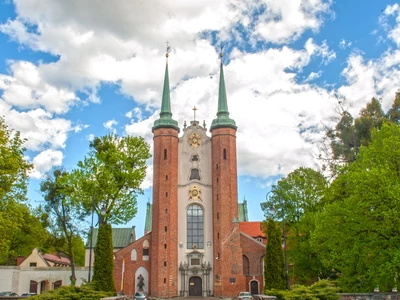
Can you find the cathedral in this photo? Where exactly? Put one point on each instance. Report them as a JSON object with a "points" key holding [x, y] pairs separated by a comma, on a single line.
{"points": [[197, 239]]}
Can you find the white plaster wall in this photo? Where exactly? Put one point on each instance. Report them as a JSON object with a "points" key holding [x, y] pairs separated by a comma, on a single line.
{"points": [[205, 184], [17, 279]]}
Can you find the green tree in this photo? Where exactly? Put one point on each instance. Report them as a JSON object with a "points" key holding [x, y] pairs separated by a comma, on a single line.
{"points": [[104, 279], [13, 167], [274, 265], [65, 214], [358, 232], [300, 193], [13, 184], [108, 182], [394, 112], [349, 134]]}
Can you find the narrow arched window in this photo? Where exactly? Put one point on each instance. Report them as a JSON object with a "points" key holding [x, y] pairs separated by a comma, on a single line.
{"points": [[195, 227], [165, 153], [224, 153]]}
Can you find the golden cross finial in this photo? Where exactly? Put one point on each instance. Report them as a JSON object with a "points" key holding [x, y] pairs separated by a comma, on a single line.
{"points": [[221, 54], [194, 112]]}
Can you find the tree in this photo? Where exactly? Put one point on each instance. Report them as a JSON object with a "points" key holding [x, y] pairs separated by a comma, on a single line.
{"points": [[349, 134], [108, 181], [358, 232], [65, 214], [394, 112], [300, 193], [13, 184], [13, 167], [274, 265]]}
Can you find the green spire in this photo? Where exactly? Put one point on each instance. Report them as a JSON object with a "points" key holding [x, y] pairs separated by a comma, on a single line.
{"points": [[222, 119], [165, 120]]}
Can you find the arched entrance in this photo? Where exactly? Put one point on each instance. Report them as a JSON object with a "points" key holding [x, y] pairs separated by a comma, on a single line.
{"points": [[254, 287], [195, 286]]}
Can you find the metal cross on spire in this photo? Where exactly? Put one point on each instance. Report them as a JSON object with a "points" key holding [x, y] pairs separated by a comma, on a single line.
{"points": [[168, 49], [194, 112]]}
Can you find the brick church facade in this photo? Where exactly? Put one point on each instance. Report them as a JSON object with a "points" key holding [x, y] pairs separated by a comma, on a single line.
{"points": [[197, 244]]}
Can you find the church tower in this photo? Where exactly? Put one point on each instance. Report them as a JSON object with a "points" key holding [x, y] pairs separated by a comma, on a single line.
{"points": [[228, 261], [164, 267]]}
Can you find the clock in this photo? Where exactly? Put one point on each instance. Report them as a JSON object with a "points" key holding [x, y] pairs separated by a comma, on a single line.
{"points": [[194, 140], [195, 193]]}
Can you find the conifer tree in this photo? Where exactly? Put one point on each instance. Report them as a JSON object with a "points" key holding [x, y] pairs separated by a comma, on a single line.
{"points": [[103, 277], [274, 265]]}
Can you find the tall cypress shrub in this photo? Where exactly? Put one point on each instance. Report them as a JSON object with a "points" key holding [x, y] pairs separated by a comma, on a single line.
{"points": [[103, 266], [274, 263]]}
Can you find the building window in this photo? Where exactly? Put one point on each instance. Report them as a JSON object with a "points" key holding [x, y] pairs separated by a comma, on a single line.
{"points": [[259, 240], [165, 246], [165, 153], [166, 194], [217, 215], [33, 286], [57, 284], [194, 157], [224, 153], [145, 251], [165, 263], [194, 174], [165, 280], [166, 211], [33, 264], [195, 229], [133, 254], [165, 228], [166, 177]]}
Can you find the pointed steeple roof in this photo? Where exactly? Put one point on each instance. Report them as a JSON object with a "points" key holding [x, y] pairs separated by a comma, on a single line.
{"points": [[222, 119], [165, 120]]}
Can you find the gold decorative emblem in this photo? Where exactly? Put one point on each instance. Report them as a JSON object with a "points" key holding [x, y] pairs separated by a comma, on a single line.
{"points": [[194, 140], [194, 193]]}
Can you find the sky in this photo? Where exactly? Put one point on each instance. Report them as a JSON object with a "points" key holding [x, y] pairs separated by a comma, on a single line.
{"points": [[73, 70]]}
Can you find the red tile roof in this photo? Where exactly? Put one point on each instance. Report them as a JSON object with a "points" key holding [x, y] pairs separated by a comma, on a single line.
{"points": [[252, 228], [59, 260]]}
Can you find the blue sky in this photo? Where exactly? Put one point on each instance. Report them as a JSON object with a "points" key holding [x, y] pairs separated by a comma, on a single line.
{"points": [[71, 70]]}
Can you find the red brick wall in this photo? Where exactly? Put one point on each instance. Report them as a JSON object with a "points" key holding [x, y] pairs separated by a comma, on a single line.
{"points": [[254, 251], [229, 265], [164, 279], [130, 266]]}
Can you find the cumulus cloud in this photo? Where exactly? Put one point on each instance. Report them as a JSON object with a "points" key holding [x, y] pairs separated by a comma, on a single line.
{"points": [[45, 160]]}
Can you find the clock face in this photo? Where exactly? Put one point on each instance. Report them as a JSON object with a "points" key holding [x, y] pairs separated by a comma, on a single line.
{"points": [[194, 140], [195, 193]]}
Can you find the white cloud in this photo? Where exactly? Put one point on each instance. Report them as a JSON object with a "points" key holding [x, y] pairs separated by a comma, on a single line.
{"points": [[45, 160], [110, 125]]}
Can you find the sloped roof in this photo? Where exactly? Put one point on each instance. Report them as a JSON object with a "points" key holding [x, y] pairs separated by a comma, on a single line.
{"points": [[121, 237], [57, 259], [252, 229]]}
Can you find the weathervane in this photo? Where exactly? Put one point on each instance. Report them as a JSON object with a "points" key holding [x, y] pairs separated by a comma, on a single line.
{"points": [[168, 49]]}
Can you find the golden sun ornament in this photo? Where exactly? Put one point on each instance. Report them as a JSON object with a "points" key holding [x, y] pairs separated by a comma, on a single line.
{"points": [[194, 140]]}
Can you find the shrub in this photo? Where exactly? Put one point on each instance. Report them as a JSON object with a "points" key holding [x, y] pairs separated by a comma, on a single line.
{"points": [[321, 290], [84, 292]]}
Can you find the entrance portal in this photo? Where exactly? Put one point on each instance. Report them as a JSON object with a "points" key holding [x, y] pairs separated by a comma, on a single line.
{"points": [[254, 287], [195, 286]]}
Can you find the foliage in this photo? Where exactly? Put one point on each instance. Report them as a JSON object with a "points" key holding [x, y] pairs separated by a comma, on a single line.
{"points": [[349, 134], [20, 232], [323, 290], [274, 265], [110, 176], [13, 167], [394, 112], [84, 292], [358, 233], [300, 194], [65, 215], [103, 277]]}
